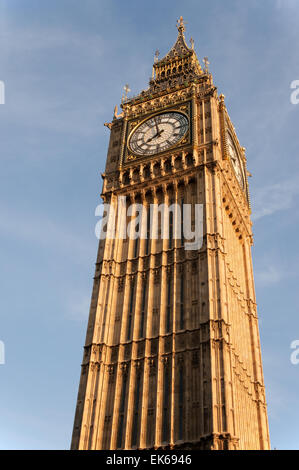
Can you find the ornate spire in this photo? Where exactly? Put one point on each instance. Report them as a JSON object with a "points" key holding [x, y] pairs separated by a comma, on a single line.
{"points": [[178, 68], [180, 63], [180, 47]]}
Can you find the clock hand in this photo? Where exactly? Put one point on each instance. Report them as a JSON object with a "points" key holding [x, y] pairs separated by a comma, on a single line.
{"points": [[156, 135], [160, 132], [156, 126]]}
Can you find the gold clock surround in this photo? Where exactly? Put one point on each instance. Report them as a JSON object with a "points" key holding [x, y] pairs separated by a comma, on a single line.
{"points": [[170, 115], [133, 124]]}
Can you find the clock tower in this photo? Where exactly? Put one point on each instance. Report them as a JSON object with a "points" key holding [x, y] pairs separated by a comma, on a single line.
{"points": [[172, 357]]}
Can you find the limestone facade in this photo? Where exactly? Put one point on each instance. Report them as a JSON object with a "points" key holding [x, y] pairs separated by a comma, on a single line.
{"points": [[172, 356]]}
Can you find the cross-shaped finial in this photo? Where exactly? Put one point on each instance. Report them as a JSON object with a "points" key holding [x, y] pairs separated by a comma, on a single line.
{"points": [[180, 24], [125, 95], [156, 55], [127, 89], [207, 63]]}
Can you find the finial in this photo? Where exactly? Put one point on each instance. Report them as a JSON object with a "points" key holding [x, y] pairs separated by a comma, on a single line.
{"points": [[192, 43], [156, 56], [221, 98], [207, 63], [127, 90], [125, 94], [180, 24]]}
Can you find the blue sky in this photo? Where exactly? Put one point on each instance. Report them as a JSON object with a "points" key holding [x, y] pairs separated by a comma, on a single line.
{"points": [[64, 64]]}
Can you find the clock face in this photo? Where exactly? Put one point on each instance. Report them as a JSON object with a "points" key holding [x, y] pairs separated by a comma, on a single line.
{"points": [[235, 160], [158, 133]]}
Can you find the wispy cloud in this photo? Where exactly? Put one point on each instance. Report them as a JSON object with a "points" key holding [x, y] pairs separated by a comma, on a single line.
{"points": [[287, 4], [15, 39], [275, 197], [269, 275], [42, 231], [46, 73]]}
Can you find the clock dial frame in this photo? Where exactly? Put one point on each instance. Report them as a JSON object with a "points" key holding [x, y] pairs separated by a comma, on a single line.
{"points": [[235, 159], [158, 133]]}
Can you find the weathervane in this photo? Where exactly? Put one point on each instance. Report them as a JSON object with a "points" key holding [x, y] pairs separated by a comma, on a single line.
{"points": [[180, 24], [207, 63]]}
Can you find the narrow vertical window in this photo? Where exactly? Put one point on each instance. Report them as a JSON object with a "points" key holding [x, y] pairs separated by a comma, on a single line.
{"points": [[182, 222], [136, 244], [170, 227], [142, 319], [130, 310], [136, 411], [181, 402], [182, 303], [165, 433], [148, 231], [121, 412], [168, 306]]}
